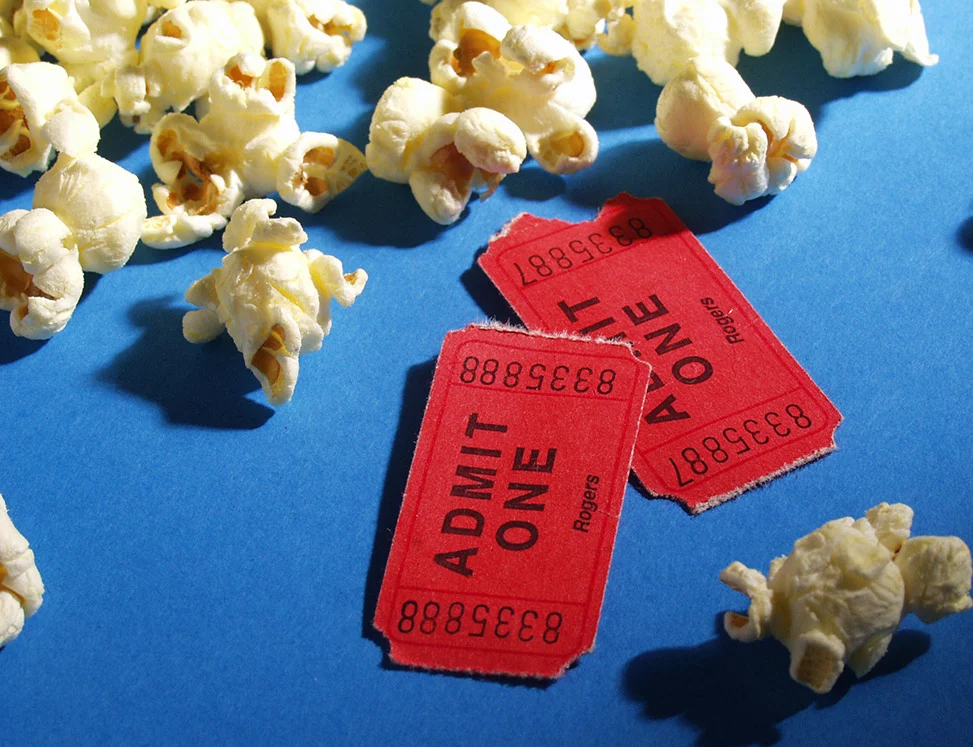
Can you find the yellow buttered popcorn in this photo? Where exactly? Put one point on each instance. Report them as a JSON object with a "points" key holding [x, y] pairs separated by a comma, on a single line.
{"points": [[40, 274], [21, 587], [839, 596], [271, 297]]}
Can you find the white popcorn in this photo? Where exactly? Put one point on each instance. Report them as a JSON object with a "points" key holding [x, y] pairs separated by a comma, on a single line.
{"points": [[576, 20], [403, 115], [271, 297], [758, 146], [178, 55], [530, 74], [663, 35], [40, 278], [314, 33], [691, 103], [461, 153], [761, 149], [13, 48], [21, 590], [839, 596], [84, 31], [248, 144], [101, 204], [315, 168], [39, 112], [443, 155], [860, 37]]}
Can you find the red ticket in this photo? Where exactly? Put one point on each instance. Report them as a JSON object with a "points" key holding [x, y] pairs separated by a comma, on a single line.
{"points": [[505, 536], [727, 407]]}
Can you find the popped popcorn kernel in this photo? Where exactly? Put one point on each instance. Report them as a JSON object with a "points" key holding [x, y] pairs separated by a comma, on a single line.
{"points": [[101, 204], [39, 113], [40, 276], [316, 168], [839, 596], [271, 297], [21, 587], [860, 37], [757, 146], [314, 33]]}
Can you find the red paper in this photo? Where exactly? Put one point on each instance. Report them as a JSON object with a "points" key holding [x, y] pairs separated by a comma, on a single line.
{"points": [[728, 407], [507, 526]]}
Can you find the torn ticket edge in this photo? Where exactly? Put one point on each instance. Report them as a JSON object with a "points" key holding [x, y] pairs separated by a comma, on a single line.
{"points": [[504, 496], [721, 375]]}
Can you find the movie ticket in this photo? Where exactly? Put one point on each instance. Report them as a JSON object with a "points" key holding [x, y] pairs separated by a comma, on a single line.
{"points": [[505, 535], [728, 407]]}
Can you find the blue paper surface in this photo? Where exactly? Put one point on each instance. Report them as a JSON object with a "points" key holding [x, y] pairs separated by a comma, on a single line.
{"points": [[212, 564]]}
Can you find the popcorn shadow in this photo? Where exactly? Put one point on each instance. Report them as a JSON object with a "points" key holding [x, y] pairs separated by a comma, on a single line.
{"points": [[648, 168], [12, 347], [535, 184], [403, 28], [485, 294], [635, 107], [118, 141], [199, 385], [380, 213], [13, 186], [735, 693]]}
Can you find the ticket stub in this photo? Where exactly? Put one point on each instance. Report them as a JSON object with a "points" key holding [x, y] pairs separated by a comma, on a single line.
{"points": [[506, 531], [727, 407]]}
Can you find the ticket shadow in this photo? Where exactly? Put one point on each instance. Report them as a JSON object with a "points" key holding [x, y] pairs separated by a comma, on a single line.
{"points": [[415, 393], [485, 294], [200, 385], [734, 693]]}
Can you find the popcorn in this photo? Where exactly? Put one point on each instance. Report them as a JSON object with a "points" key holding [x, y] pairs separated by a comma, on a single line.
{"points": [[314, 33], [761, 149], [860, 37], [663, 35], [758, 146], [100, 203], [178, 55], [576, 20], [272, 298], [443, 158], [842, 592], [40, 112], [40, 284], [84, 31], [316, 167], [248, 144], [529, 74], [21, 590]]}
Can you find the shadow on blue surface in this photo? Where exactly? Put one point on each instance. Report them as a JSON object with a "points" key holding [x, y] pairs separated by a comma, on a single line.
{"points": [[485, 294], [13, 348], [404, 29], [201, 385], [734, 693], [12, 185], [964, 234]]}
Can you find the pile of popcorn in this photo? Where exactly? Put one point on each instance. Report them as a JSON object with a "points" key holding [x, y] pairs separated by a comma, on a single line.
{"points": [[506, 80]]}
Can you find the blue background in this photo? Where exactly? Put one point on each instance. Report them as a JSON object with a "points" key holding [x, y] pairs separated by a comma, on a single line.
{"points": [[212, 564]]}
